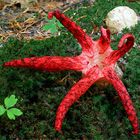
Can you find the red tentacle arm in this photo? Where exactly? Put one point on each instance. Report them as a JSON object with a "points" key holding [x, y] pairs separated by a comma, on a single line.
{"points": [[125, 44], [85, 41], [112, 77], [104, 40], [74, 94], [48, 63]]}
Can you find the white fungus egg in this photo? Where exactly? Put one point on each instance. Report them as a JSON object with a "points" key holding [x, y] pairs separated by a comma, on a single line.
{"points": [[121, 17]]}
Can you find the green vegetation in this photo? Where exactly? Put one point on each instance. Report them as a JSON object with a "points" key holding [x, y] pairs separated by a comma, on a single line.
{"points": [[98, 114], [53, 25], [9, 103]]}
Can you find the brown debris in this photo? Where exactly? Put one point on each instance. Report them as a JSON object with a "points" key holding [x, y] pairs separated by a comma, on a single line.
{"points": [[24, 19]]}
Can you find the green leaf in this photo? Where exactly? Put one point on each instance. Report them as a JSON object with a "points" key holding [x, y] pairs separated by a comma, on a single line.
{"points": [[10, 115], [2, 110], [54, 30], [15, 111], [48, 26], [10, 101], [59, 24], [52, 25]]}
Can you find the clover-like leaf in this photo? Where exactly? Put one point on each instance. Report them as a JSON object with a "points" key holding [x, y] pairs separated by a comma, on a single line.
{"points": [[15, 111], [10, 101], [10, 115], [2, 110]]}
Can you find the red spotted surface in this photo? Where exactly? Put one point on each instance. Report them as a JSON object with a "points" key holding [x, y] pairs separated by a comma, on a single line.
{"points": [[97, 61]]}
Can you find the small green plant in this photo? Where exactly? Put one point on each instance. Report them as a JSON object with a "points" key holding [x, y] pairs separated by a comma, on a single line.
{"points": [[53, 25], [8, 107]]}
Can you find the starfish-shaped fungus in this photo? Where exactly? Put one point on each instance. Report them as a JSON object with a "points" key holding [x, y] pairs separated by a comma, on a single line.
{"points": [[96, 62]]}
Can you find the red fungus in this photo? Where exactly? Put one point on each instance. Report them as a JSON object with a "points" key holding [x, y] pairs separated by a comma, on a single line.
{"points": [[96, 62]]}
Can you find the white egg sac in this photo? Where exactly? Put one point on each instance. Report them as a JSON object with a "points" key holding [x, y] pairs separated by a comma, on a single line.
{"points": [[121, 17]]}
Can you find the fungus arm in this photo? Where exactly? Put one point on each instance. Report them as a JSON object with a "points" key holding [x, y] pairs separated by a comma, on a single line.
{"points": [[125, 44], [85, 41], [48, 63], [74, 94], [112, 77], [104, 40]]}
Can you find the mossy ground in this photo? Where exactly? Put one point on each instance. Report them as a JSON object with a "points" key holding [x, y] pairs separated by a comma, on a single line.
{"points": [[98, 115]]}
